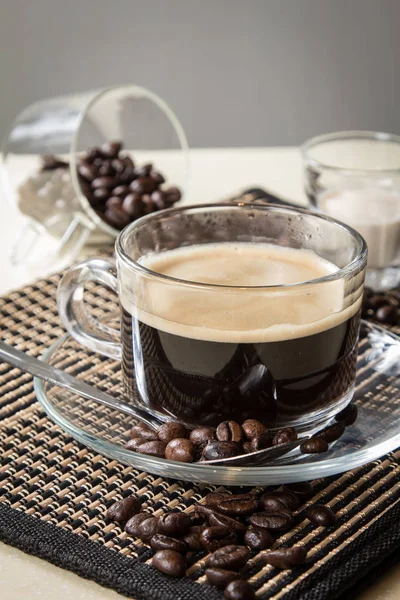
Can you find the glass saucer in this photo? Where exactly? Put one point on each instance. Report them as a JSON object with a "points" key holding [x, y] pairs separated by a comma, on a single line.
{"points": [[375, 433]]}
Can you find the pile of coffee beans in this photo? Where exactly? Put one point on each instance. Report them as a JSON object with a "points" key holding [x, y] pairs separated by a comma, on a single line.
{"points": [[175, 442], [117, 189], [382, 307], [230, 529], [320, 441]]}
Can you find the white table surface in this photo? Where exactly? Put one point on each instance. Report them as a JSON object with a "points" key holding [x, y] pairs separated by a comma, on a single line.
{"points": [[215, 174]]}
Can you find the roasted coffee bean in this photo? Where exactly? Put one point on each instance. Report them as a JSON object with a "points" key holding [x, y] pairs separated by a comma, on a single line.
{"points": [[172, 430], [348, 415], [229, 557], [214, 498], [148, 205], [302, 489], [128, 162], [180, 449], [106, 170], [147, 528], [274, 522], [261, 442], [174, 524], [285, 558], [253, 429], [377, 301], [173, 195], [91, 155], [204, 510], [144, 170], [198, 517], [284, 436], [387, 315], [87, 171], [127, 176], [118, 165], [257, 538], [49, 162], [332, 433], [164, 542], [158, 198], [100, 194], [239, 590], [220, 578], [239, 506], [143, 431], [169, 562], [124, 509], [133, 205], [121, 191], [153, 448], [314, 445], [216, 536], [321, 515], [134, 443], [202, 435], [103, 182], [216, 450], [192, 539], [288, 498], [116, 217], [157, 178], [216, 518], [271, 504], [143, 185], [97, 162], [114, 201], [229, 431], [132, 525], [111, 149]]}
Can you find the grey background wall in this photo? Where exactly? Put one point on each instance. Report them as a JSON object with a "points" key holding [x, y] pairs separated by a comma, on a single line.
{"points": [[237, 72]]}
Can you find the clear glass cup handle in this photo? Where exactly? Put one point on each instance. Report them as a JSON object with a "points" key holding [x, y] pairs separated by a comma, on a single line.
{"points": [[77, 320]]}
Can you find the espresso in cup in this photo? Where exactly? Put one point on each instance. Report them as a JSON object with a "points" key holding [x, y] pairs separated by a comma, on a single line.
{"points": [[204, 358], [230, 312]]}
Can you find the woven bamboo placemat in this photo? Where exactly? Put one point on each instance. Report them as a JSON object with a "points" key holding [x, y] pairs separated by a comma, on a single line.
{"points": [[54, 493]]}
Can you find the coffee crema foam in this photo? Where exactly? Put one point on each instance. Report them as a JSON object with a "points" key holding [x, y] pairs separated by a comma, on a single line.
{"points": [[246, 314]]}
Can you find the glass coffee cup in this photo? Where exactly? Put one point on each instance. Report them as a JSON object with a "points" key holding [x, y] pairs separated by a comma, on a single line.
{"points": [[230, 312]]}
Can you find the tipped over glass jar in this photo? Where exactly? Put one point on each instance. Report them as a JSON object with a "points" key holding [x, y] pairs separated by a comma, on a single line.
{"points": [[77, 169]]}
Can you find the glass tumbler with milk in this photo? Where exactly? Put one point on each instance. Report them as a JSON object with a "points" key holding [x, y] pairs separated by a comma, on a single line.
{"points": [[354, 176]]}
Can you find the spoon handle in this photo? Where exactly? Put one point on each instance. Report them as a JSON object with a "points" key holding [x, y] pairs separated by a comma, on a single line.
{"points": [[42, 370]]}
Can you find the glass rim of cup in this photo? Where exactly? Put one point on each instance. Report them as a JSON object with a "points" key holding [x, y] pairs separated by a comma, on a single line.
{"points": [[379, 136], [356, 264]]}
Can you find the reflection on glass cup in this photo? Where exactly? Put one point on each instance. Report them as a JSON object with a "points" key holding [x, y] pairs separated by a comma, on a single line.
{"points": [[230, 312], [50, 199], [354, 176]]}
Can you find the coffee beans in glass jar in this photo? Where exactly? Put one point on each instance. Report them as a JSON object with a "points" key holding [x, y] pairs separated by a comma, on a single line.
{"points": [[115, 187], [119, 190]]}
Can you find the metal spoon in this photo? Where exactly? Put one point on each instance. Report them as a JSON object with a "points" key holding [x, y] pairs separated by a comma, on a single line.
{"points": [[40, 369]]}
